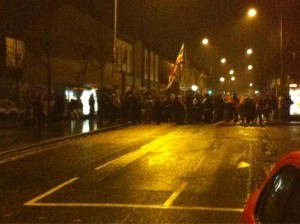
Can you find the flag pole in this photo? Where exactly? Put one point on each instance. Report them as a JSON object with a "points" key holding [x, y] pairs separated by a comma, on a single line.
{"points": [[184, 66]]}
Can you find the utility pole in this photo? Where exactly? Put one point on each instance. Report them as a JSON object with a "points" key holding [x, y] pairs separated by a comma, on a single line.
{"points": [[114, 42]]}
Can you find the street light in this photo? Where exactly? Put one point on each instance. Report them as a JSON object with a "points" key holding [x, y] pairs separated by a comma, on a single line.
{"points": [[205, 41], [252, 12], [250, 67], [222, 79], [249, 51], [231, 72], [223, 60]]}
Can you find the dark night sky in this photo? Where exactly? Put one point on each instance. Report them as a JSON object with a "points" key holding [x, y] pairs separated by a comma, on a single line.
{"points": [[165, 24]]}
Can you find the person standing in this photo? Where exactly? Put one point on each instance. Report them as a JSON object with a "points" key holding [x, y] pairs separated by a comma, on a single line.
{"points": [[92, 106], [207, 109]]}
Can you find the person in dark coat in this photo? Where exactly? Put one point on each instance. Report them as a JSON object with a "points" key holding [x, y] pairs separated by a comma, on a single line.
{"points": [[92, 106], [207, 109]]}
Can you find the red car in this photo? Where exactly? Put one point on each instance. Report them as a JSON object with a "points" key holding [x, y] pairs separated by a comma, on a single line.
{"points": [[278, 199]]}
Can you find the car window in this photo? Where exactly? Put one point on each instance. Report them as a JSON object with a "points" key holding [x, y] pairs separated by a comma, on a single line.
{"points": [[279, 202]]}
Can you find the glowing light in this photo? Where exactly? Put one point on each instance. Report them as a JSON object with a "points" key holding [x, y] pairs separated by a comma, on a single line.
{"points": [[205, 41], [194, 88], [85, 100], [252, 12], [232, 78], [223, 60], [249, 51], [250, 67], [231, 72], [222, 79]]}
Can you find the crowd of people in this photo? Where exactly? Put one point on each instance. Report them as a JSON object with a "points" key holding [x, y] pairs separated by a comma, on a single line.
{"points": [[194, 108], [190, 108]]}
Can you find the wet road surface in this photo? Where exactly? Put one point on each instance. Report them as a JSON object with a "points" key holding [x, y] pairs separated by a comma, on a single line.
{"points": [[144, 174]]}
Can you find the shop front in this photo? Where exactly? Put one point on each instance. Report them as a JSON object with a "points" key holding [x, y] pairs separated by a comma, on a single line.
{"points": [[294, 93]]}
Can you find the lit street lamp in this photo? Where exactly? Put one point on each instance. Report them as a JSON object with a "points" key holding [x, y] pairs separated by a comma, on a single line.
{"points": [[223, 60], [250, 67], [205, 41], [233, 84], [249, 51], [231, 72], [222, 79], [252, 12]]}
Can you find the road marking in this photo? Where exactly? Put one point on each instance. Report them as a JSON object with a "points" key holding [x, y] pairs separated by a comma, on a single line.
{"points": [[33, 201], [110, 205], [175, 194], [249, 181], [199, 164], [132, 156], [243, 164], [173, 197]]}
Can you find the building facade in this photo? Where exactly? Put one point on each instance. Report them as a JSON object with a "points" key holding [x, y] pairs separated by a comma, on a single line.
{"points": [[69, 52]]}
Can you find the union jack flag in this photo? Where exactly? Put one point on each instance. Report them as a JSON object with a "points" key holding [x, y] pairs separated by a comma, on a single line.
{"points": [[178, 61]]}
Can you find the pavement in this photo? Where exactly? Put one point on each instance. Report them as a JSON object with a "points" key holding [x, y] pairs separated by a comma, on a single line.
{"points": [[16, 137]]}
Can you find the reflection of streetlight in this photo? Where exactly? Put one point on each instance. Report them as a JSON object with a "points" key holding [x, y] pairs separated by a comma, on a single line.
{"points": [[205, 41], [250, 67]]}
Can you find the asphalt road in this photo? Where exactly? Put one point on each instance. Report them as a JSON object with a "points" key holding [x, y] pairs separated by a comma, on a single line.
{"points": [[143, 174]]}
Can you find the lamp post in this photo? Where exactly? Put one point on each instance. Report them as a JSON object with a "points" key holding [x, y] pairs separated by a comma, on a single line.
{"points": [[232, 79], [251, 14], [222, 79], [281, 53], [114, 42], [205, 42]]}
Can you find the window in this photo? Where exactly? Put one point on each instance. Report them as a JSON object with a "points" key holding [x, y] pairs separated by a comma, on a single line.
{"points": [[279, 202]]}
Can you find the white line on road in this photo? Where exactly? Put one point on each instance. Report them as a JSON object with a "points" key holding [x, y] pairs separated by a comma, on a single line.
{"points": [[33, 201], [145, 206], [173, 197], [199, 164]]}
